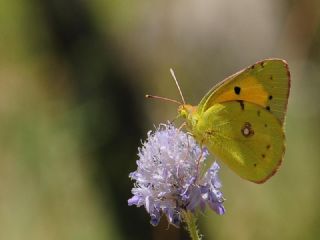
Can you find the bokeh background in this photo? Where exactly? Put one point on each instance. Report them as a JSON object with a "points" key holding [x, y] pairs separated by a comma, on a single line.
{"points": [[73, 75]]}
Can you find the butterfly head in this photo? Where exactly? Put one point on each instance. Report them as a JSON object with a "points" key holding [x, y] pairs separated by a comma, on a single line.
{"points": [[188, 112]]}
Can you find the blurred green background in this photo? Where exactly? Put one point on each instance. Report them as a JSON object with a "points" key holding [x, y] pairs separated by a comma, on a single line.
{"points": [[73, 75]]}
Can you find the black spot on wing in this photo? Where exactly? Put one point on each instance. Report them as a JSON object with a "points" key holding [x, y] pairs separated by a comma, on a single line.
{"points": [[237, 90], [241, 104], [247, 130]]}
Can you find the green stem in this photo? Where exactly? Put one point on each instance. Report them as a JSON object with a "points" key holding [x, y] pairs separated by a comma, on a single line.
{"points": [[191, 222]]}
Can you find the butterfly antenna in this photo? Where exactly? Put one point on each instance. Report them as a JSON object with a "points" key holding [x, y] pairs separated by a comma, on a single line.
{"points": [[163, 98], [175, 79]]}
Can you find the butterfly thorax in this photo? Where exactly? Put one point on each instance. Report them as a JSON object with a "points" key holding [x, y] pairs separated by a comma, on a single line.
{"points": [[189, 113]]}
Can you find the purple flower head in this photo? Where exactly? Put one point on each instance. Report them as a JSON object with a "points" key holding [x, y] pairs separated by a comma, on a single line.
{"points": [[168, 180]]}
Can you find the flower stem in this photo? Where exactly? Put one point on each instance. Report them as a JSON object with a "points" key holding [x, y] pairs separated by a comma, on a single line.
{"points": [[191, 222]]}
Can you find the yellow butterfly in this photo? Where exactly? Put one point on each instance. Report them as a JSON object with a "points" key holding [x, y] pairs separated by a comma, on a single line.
{"points": [[240, 120]]}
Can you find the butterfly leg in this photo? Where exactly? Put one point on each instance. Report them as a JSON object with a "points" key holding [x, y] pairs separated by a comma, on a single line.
{"points": [[172, 121], [182, 126]]}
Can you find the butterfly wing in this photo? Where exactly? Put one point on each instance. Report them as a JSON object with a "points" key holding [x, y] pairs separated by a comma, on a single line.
{"points": [[266, 83], [245, 136]]}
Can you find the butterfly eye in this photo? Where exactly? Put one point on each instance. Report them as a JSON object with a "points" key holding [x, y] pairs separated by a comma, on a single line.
{"points": [[182, 112]]}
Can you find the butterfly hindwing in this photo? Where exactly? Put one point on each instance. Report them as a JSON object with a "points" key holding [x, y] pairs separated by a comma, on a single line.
{"points": [[245, 136], [266, 83]]}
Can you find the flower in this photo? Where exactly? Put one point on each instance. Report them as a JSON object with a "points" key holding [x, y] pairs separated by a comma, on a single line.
{"points": [[167, 180]]}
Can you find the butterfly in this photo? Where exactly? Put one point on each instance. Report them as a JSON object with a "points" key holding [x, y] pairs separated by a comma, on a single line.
{"points": [[241, 119]]}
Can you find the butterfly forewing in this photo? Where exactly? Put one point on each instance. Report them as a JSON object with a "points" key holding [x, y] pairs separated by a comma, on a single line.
{"points": [[266, 83]]}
